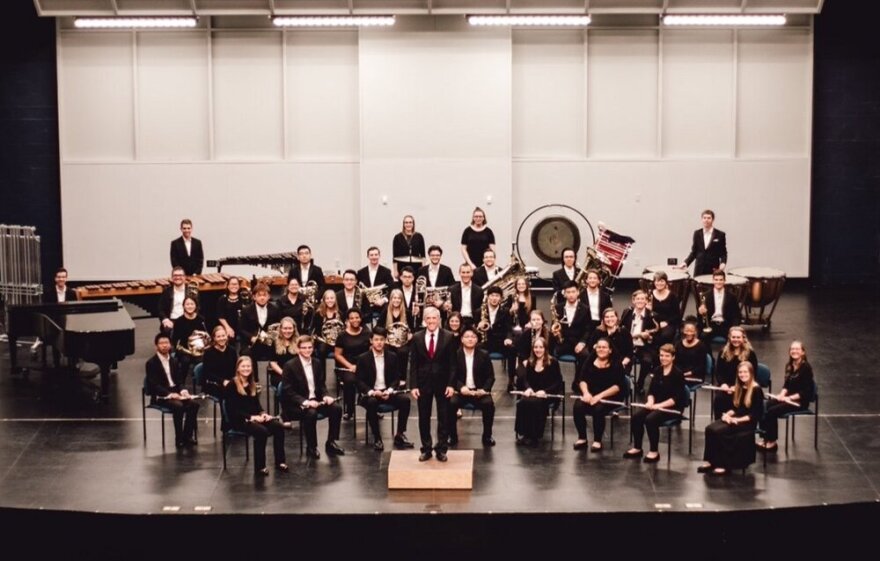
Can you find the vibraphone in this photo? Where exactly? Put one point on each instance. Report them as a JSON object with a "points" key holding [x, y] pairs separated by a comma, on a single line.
{"points": [[281, 262], [145, 293]]}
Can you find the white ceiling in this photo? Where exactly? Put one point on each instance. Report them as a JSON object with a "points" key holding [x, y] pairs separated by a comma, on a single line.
{"points": [[67, 8]]}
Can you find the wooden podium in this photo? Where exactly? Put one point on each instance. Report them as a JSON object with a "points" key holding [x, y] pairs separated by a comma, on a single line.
{"points": [[405, 471]]}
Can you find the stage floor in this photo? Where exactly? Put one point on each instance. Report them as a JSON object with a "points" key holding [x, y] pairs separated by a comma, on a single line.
{"points": [[59, 451]]}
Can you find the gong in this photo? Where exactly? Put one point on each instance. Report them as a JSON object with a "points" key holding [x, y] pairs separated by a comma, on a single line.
{"points": [[552, 235]]}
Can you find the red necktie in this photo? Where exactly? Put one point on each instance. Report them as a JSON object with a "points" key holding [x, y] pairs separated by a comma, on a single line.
{"points": [[431, 347]]}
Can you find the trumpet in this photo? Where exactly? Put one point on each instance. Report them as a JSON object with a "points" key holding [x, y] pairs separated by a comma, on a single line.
{"points": [[196, 344], [374, 294], [705, 315], [398, 334]]}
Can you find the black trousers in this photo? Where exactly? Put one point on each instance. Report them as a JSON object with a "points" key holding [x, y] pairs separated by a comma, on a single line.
{"points": [[770, 422], [645, 356], [427, 396], [645, 419], [349, 390], [261, 433], [484, 404], [400, 403], [309, 417], [598, 412], [184, 412]]}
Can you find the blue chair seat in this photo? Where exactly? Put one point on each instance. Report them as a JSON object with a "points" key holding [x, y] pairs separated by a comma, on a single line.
{"points": [[793, 415], [230, 433]]}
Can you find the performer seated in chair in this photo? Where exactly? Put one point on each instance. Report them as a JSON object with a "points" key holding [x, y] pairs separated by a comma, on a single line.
{"points": [[720, 309], [219, 363], [690, 352], [538, 378], [378, 377], [599, 379], [730, 441], [738, 349], [164, 381], [639, 322], [573, 326], [304, 397], [474, 378], [246, 415], [796, 395]]}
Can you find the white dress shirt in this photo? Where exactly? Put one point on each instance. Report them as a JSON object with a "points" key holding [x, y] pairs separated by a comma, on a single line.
{"points": [[707, 236], [60, 294], [469, 367], [303, 275], [718, 314], [570, 310], [466, 310], [593, 297], [166, 364], [310, 376], [188, 244], [570, 272], [372, 272], [380, 372], [432, 274], [262, 314], [638, 325], [428, 334], [177, 303]]}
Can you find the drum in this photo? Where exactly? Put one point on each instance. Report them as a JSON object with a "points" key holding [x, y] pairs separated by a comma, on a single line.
{"points": [[703, 284], [679, 282], [762, 292]]}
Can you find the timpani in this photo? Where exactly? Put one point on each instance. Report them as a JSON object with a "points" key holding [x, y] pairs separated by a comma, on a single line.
{"points": [[735, 283], [761, 295], [679, 281]]}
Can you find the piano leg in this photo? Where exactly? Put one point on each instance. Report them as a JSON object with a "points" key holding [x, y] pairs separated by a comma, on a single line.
{"points": [[13, 356], [105, 382]]}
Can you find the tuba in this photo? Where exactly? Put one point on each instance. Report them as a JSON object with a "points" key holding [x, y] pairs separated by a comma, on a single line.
{"points": [[196, 344], [507, 278], [330, 331], [398, 334]]}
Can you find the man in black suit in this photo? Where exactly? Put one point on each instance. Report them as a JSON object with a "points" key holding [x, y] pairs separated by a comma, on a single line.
{"points": [[254, 324], [721, 308], [304, 397], [306, 270], [407, 286], [709, 247], [164, 380], [171, 300], [474, 378], [488, 270], [435, 272], [595, 299], [574, 323], [61, 293], [186, 251], [375, 274], [465, 297], [347, 296], [568, 271], [378, 377], [432, 365]]}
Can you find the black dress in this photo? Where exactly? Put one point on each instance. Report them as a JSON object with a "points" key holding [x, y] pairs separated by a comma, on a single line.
{"points": [[352, 347], [239, 409], [598, 380], [692, 360], [531, 412], [229, 310], [798, 382], [476, 243], [183, 328], [733, 446]]}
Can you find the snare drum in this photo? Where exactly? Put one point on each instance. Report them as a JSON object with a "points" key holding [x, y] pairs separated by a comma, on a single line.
{"points": [[763, 290], [735, 283], [679, 281]]}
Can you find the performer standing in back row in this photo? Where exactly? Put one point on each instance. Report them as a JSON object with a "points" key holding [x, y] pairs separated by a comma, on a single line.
{"points": [[709, 247], [407, 247], [186, 251]]}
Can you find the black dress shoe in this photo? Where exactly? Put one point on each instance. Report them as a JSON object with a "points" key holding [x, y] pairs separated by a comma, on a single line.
{"points": [[333, 449], [636, 454], [488, 441], [705, 468], [401, 442], [425, 456], [378, 446], [441, 455], [262, 472], [282, 467], [313, 453], [346, 416], [651, 459], [453, 440], [580, 445]]}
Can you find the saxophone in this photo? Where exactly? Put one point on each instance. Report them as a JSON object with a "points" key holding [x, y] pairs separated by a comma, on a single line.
{"points": [[555, 321], [484, 325], [358, 296]]}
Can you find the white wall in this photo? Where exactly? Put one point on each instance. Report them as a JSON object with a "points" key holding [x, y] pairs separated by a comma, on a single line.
{"points": [[268, 139]]}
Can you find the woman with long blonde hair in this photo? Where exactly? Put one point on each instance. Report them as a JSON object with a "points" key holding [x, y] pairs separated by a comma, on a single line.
{"points": [[736, 350]]}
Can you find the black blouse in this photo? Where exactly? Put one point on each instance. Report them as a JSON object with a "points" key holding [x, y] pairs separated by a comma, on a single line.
{"points": [[219, 366], [239, 407], [800, 382], [599, 379], [230, 311], [412, 247], [725, 371], [550, 379], [692, 359], [184, 327], [755, 411], [621, 342], [666, 387], [353, 345], [668, 309]]}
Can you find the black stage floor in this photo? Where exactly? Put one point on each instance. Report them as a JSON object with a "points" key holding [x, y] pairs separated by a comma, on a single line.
{"points": [[58, 451]]}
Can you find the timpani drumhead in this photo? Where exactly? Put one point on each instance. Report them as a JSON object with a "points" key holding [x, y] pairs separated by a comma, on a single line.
{"points": [[732, 280], [673, 275], [552, 235], [758, 272]]}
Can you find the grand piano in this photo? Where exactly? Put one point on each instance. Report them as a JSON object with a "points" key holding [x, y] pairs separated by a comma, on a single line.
{"points": [[96, 331]]}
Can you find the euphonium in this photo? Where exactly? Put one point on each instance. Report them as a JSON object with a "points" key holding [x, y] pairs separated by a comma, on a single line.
{"points": [[398, 334], [310, 293], [374, 294]]}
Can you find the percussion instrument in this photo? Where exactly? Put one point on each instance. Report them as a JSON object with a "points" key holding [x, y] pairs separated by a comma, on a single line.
{"points": [[679, 282], [281, 262], [703, 283], [762, 291], [607, 256], [410, 260], [205, 283]]}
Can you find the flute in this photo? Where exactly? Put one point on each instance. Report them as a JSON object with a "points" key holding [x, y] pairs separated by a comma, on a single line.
{"points": [[690, 380], [190, 396], [605, 401], [271, 418], [547, 396], [712, 388], [644, 406], [783, 400]]}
